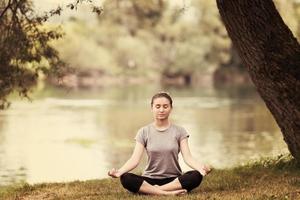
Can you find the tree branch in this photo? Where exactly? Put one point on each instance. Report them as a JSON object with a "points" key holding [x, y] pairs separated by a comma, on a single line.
{"points": [[5, 9]]}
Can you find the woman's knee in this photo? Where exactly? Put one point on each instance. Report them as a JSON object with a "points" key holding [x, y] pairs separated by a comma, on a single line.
{"points": [[191, 180], [196, 177], [131, 182], [127, 179]]}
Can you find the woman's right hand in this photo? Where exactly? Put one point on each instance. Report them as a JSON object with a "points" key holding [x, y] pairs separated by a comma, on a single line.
{"points": [[114, 173], [204, 170], [207, 169]]}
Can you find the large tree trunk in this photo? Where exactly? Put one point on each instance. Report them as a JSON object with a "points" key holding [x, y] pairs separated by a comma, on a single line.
{"points": [[272, 56]]}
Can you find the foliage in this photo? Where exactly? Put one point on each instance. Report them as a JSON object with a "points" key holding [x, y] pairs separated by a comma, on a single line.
{"points": [[147, 39], [25, 52], [150, 38]]}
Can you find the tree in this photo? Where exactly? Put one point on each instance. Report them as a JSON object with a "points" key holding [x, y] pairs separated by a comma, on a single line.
{"points": [[271, 54], [25, 51]]}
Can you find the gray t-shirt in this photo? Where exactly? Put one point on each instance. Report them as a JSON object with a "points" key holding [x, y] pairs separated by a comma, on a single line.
{"points": [[162, 148]]}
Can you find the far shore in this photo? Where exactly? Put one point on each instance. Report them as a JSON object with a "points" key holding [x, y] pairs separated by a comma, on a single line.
{"points": [[94, 78]]}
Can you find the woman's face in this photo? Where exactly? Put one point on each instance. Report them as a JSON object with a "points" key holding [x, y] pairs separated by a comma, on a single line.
{"points": [[161, 108]]}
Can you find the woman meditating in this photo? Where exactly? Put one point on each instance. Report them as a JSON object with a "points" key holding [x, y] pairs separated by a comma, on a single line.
{"points": [[162, 141]]}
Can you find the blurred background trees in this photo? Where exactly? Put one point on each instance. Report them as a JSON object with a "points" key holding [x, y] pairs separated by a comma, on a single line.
{"points": [[179, 43], [174, 43]]}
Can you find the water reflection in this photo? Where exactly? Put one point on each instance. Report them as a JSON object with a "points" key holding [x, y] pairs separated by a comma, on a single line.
{"points": [[11, 165], [71, 135], [232, 134]]}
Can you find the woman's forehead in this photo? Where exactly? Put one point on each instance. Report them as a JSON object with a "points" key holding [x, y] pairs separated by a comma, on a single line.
{"points": [[161, 100]]}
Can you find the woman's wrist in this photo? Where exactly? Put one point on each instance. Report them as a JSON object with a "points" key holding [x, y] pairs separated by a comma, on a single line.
{"points": [[205, 169], [119, 172], [202, 171]]}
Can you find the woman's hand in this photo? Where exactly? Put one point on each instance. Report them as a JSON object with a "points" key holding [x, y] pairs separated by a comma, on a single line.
{"points": [[205, 169], [114, 173]]}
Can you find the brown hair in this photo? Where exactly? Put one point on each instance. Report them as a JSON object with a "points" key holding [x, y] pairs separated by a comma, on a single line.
{"points": [[162, 94]]}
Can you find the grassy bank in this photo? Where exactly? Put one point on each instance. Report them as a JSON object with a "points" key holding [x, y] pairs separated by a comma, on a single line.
{"points": [[276, 178]]}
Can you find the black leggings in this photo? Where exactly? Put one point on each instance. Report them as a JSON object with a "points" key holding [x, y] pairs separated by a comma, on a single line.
{"points": [[188, 181]]}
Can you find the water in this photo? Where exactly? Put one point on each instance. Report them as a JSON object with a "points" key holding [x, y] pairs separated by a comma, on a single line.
{"points": [[79, 135]]}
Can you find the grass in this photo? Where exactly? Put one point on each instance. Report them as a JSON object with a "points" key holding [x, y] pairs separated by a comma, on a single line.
{"points": [[269, 178]]}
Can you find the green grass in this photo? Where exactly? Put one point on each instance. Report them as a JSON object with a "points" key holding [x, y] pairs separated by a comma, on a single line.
{"points": [[269, 178]]}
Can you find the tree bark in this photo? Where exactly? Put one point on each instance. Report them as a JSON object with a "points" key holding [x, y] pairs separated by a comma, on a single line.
{"points": [[271, 54]]}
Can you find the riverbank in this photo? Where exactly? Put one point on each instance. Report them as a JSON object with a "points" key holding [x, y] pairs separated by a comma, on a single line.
{"points": [[277, 178], [94, 78]]}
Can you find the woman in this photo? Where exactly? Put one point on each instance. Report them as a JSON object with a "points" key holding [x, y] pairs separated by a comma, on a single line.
{"points": [[162, 141]]}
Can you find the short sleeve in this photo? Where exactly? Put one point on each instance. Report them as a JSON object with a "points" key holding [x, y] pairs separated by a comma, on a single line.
{"points": [[182, 134], [140, 137]]}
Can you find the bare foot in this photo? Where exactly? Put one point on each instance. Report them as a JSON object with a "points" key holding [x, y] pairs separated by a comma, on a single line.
{"points": [[176, 192]]}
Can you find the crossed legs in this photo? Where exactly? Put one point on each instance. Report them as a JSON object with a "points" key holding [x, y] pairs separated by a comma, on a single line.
{"points": [[168, 186], [173, 185], [147, 188]]}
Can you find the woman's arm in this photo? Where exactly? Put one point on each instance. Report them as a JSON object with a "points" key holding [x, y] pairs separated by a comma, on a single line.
{"points": [[189, 159], [131, 163]]}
